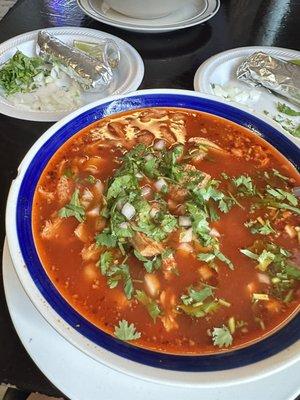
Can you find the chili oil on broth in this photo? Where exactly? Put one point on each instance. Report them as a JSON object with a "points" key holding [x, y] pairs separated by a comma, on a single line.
{"points": [[86, 164]]}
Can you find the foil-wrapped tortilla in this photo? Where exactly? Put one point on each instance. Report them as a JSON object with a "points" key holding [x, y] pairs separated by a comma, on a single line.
{"points": [[279, 76], [86, 70]]}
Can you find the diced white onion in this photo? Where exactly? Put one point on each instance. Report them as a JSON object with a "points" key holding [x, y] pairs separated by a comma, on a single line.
{"points": [[236, 93], [186, 247], [290, 230], [186, 236], [87, 195], [263, 278], [296, 191], [128, 211], [82, 232], [50, 94], [159, 145], [214, 232], [160, 184], [146, 191], [94, 212], [123, 225], [99, 187], [138, 175], [153, 212], [184, 221], [152, 284]]}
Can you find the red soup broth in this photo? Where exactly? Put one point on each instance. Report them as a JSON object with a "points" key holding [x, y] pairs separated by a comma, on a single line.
{"points": [[197, 190]]}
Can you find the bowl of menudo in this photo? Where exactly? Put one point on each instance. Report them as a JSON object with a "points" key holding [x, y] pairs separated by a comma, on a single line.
{"points": [[163, 228]]}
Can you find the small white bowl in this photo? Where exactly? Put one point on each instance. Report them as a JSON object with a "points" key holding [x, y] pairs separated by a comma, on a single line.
{"points": [[153, 9]]}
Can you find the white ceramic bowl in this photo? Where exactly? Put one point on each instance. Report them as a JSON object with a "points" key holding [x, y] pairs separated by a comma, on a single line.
{"points": [[146, 9], [260, 359]]}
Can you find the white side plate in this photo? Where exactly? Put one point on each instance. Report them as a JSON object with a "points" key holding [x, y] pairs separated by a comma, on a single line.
{"points": [[221, 69], [127, 77]]}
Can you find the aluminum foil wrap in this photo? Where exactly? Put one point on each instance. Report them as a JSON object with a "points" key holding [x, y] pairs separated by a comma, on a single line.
{"points": [[279, 76], [87, 71]]}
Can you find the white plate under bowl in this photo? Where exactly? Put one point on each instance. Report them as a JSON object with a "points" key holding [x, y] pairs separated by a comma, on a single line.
{"points": [[221, 69], [288, 352], [193, 13], [127, 77], [86, 379]]}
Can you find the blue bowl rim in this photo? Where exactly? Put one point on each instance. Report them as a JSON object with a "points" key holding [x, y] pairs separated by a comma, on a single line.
{"points": [[221, 361]]}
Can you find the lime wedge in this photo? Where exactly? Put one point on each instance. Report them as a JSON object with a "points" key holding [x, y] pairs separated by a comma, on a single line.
{"points": [[90, 48], [297, 62], [107, 51]]}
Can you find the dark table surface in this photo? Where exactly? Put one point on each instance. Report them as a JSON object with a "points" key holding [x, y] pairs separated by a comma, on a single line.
{"points": [[171, 60]]}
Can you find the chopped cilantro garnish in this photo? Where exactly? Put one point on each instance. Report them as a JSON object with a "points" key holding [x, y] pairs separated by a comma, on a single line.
{"points": [[200, 310], [126, 332], [91, 179], [208, 257], [214, 216], [282, 206], [150, 265], [166, 253], [68, 173], [292, 271], [226, 204], [73, 209], [249, 254], [119, 185], [106, 239], [224, 175], [18, 73], [282, 195], [168, 223], [260, 227], [285, 109], [116, 273], [200, 224], [105, 262], [224, 259], [245, 185], [150, 167], [150, 304], [157, 227], [194, 296], [277, 198], [274, 260], [199, 303], [265, 229], [279, 175], [264, 259], [222, 337]]}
